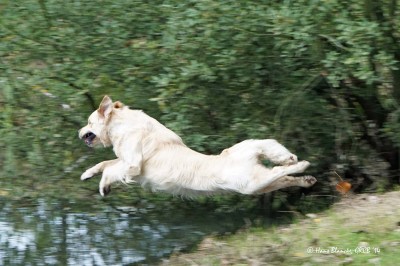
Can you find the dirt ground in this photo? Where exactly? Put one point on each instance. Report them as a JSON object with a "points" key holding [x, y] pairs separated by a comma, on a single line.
{"points": [[361, 229]]}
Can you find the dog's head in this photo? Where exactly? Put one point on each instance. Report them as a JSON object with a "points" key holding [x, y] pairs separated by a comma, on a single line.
{"points": [[95, 132]]}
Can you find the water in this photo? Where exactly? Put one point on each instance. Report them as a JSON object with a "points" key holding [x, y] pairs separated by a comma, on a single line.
{"points": [[62, 232]]}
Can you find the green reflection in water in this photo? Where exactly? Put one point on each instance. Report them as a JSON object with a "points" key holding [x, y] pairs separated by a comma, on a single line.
{"points": [[62, 232]]}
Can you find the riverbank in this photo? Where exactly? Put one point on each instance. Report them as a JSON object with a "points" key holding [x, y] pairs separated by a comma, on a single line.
{"points": [[358, 230]]}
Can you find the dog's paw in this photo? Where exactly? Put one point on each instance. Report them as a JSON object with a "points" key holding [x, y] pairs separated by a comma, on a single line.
{"points": [[291, 160], [285, 159], [105, 190], [86, 175], [308, 181], [303, 165]]}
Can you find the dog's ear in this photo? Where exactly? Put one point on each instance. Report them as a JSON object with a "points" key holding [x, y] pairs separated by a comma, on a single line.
{"points": [[105, 107]]}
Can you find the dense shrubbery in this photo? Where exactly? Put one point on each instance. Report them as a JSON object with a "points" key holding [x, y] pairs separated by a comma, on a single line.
{"points": [[322, 77]]}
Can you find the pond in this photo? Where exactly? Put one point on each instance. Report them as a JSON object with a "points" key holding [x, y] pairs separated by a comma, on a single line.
{"points": [[59, 231]]}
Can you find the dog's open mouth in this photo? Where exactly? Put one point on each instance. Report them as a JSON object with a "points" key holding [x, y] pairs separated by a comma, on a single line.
{"points": [[88, 138]]}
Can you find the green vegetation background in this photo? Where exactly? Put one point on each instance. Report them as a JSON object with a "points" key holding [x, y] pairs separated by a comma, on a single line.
{"points": [[322, 77]]}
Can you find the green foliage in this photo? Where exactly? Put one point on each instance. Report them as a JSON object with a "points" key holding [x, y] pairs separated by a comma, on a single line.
{"points": [[321, 77]]}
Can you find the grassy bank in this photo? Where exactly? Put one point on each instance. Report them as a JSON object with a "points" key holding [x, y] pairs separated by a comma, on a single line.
{"points": [[358, 230]]}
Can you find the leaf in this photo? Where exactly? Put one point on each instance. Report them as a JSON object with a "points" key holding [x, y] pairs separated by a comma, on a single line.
{"points": [[343, 187]]}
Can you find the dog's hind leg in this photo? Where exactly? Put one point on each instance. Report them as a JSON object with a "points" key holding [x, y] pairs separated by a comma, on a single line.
{"points": [[97, 169], [289, 181], [269, 149], [272, 150], [264, 177]]}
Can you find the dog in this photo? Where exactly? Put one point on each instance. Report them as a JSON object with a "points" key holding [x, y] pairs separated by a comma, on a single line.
{"points": [[152, 155]]}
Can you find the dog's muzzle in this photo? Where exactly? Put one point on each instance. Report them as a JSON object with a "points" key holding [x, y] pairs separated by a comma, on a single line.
{"points": [[88, 138]]}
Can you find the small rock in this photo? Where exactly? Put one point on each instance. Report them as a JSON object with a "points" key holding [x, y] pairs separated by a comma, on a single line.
{"points": [[363, 244], [206, 244], [286, 229], [347, 260], [394, 244], [375, 261], [311, 215], [373, 199], [319, 260], [361, 231]]}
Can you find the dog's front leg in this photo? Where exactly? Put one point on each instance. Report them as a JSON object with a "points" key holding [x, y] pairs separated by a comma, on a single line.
{"points": [[97, 169], [133, 158], [118, 171], [128, 166]]}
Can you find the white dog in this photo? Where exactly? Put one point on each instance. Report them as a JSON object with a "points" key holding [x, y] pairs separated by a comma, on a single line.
{"points": [[150, 154]]}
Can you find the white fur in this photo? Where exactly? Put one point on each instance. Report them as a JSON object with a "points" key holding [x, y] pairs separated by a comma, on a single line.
{"points": [[152, 155]]}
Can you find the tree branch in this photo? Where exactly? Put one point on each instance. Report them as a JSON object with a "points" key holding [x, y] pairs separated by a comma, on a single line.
{"points": [[45, 13], [88, 96]]}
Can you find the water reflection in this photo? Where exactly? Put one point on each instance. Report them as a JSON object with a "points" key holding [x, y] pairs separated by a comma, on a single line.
{"points": [[59, 232]]}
